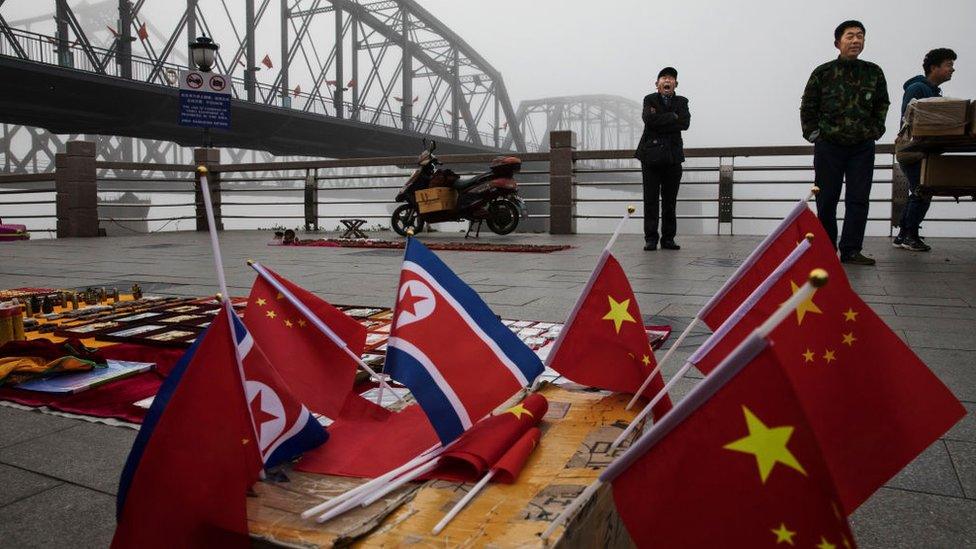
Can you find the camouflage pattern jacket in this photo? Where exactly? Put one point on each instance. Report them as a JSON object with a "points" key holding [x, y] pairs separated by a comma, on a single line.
{"points": [[845, 102]]}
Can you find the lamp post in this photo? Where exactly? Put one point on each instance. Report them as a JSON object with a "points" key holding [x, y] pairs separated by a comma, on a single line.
{"points": [[203, 52]]}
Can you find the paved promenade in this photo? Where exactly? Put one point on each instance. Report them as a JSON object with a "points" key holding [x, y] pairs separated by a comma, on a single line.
{"points": [[58, 476]]}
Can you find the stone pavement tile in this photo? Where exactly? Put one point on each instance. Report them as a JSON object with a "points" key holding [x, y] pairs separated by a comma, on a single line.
{"points": [[894, 519], [955, 368], [931, 472], [939, 340], [20, 425], [940, 325], [917, 300], [18, 484], [938, 312], [97, 454], [963, 456], [965, 429], [64, 516]]}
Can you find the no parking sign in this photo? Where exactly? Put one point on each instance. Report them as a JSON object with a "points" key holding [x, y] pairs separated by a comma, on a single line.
{"points": [[204, 100]]}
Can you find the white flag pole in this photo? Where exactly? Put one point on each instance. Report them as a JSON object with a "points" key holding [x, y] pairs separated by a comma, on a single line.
{"points": [[317, 322], [817, 279], [660, 364], [401, 480], [368, 486], [464, 502], [224, 295]]}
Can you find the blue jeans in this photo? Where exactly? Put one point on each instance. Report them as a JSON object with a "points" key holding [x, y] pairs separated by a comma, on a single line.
{"points": [[917, 206]]}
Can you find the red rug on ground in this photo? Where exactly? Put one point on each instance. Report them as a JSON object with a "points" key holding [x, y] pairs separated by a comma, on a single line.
{"points": [[114, 400], [433, 245]]}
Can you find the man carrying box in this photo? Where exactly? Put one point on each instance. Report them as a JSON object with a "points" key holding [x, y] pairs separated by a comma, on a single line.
{"points": [[843, 113], [938, 67]]}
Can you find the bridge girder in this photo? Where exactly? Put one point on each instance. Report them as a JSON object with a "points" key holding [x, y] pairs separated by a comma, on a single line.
{"points": [[600, 121]]}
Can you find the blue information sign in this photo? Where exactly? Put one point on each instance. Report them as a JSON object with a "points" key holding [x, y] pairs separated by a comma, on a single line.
{"points": [[204, 100]]}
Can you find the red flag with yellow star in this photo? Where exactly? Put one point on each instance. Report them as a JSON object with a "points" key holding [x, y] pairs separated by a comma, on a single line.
{"points": [[735, 464], [320, 373], [761, 263], [872, 402], [604, 343]]}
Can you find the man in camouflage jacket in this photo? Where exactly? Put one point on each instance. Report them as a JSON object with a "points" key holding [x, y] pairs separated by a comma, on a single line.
{"points": [[843, 113]]}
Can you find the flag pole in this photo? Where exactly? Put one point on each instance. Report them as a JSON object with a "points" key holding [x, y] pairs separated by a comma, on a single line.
{"points": [[722, 330], [814, 191], [464, 502], [619, 227], [317, 322], [817, 279], [224, 295]]}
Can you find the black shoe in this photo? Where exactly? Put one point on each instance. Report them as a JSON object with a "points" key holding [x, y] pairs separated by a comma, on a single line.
{"points": [[915, 245], [669, 245], [898, 241], [857, 258], [650, 246]]}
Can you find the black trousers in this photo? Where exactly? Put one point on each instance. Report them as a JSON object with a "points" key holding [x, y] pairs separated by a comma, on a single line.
{"points": [[834, 165], [660, 192]]}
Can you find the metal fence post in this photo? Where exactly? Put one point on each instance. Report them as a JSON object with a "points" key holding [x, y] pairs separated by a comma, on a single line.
{"points": [[311, 199], [899, 195], [208, 158], [725, 181], [76, 187], [562, 183]]}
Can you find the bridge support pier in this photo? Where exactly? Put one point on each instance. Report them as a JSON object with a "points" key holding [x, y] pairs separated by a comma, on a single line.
{"points": [[77, 190], [208, 158], [562, 183]]}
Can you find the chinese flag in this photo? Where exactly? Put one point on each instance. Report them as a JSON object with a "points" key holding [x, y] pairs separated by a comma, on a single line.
{"points": [[604, 343], [320, 374], [142, 32], [872, 403], [296, 91], [763, 260], [267, 61], [186, 479], [735, 464]]}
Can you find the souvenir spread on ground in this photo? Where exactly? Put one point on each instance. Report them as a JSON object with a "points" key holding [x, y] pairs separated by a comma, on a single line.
{"points": [[433, 245]]}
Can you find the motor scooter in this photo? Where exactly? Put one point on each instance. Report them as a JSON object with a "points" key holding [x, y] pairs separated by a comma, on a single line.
{"points": [[490, 197]]}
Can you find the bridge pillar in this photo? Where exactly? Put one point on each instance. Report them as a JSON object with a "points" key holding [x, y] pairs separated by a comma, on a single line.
{"points": [[208, 158], [562, 182], [77, 190]]}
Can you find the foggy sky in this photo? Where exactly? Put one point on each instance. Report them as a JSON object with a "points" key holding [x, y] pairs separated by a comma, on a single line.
{"points": [[742, 64]]}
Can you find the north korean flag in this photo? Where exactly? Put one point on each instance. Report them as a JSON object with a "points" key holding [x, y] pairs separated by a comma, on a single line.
{"points": [[458, 359]]}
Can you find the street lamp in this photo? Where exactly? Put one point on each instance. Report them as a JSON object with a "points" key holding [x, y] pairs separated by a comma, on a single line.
{"points": [[202, 53]]}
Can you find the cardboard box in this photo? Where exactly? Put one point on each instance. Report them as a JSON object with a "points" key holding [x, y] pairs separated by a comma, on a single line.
{"points": [[938, 116], [948, 175], [972, 118], [436, 199]]}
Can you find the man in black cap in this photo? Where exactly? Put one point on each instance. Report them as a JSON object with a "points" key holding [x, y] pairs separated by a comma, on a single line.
{"points": [[661, 152]]}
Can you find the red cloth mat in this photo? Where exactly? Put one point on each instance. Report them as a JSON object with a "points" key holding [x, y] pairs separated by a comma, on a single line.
{"points": [[112, 400], [433, 245]]}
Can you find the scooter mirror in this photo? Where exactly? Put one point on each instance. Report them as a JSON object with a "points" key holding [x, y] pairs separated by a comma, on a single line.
{"points": [[433, 145], [425, 143]]}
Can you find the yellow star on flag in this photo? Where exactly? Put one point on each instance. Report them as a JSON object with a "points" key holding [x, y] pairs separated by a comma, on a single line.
{"points": [[808, 356], [280, 296], [829, 356], [807, 306], [518, 410], [646, 360], [260, 301], [301, 323], [824, 544], [618, 313], [270, 314], [768, 444], [850, 315], [288, 323], [783, 534], [849, 339], [244, 441]]}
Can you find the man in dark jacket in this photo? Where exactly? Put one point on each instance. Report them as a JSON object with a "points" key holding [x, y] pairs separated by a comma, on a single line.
{"points": [[938, 65], [843, 113], [661, 152]]}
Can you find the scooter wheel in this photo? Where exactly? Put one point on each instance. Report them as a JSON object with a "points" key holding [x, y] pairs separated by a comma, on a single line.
{"points": [[503, 216], [404, 217]]}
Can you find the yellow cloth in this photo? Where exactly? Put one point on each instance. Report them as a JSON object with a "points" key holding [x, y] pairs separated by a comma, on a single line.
{"points": [[17, 369]]}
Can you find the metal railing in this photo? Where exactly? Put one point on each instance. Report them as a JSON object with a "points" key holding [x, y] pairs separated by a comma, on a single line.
{"points": [[725, 190]]}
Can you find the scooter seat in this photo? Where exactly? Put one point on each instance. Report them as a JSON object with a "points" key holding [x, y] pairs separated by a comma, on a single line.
{"points": [[464, 184]]}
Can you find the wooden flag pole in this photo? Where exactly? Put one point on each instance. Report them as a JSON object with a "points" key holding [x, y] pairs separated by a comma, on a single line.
{"points": [[322, 327], [464, 502], [817, 279]]}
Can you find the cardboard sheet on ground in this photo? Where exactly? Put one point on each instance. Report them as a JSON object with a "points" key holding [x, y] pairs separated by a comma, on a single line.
{"points": [[577, 432]]}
